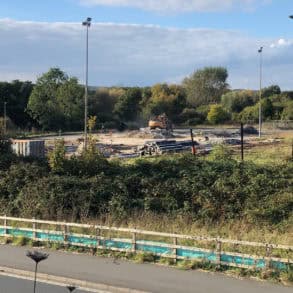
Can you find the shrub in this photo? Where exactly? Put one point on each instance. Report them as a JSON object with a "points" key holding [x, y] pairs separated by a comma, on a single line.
{"points": [[217, 114], [249, 114], [191, 116], [142, 257], [287, 113], [236, 101], [21, 241], [57, 157]]}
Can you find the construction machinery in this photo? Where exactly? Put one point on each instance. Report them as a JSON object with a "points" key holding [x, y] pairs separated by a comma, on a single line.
{"points": [[160, 122]]}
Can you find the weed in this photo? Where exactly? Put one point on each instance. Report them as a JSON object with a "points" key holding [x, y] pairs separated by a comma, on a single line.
{"points": [[142, 257], [21, 241]]}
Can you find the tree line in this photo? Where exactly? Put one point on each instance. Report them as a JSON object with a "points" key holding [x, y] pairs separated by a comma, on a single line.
{"points": [[56, 102]]}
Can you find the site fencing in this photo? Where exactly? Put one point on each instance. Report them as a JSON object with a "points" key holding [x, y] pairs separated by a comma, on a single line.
{"points": [[219, 251]]}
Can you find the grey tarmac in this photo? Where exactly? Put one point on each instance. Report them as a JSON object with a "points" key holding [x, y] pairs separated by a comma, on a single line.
{"points": [[16, 285], [145, 277]]}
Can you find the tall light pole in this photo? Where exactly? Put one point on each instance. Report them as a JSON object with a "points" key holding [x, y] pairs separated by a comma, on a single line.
{"points": [[87, 24], [260, 92]]}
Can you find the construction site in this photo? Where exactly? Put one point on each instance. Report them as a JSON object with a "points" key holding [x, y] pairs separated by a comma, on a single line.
{"points": [[158, 138]]}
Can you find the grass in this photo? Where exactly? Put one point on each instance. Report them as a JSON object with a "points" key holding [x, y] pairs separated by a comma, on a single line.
{"points": [[234, 229], [277, 153]]}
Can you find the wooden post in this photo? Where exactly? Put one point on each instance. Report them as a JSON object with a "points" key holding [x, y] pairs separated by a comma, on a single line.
{"points": [[192, 140], [218, 253], [98, 233], [133, 241], [65, 233], [5, 225], [34, 229], [268, 255], [175, 249]]}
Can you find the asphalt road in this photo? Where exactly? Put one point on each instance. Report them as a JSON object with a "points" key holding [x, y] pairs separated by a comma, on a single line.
{"points": [[145, 277], [14, 285]]}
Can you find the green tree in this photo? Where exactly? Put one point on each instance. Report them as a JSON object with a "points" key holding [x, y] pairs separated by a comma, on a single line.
{"points": [[91, 123], [56, 101], [127, 106], [236, 101], [57, 159], [287, 113], [267, 108], [102, 102], [270, 91], [249, 114], [70, 102], [169, 99], [217, 114], [16, 95], [206, 85]]}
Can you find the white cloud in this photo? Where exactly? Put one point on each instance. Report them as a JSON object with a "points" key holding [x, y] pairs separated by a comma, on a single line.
{"points": [[122, 54], [180, 5], [281, 43]]}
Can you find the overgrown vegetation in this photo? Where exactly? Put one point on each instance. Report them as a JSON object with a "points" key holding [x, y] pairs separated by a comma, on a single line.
{"points": [[208, 191]]}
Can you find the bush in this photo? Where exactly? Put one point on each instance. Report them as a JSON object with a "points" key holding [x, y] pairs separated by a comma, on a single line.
{"points": [[203, 111], [287, 113], [21, 241], [142, 257], [6, 155], [57, 158], [217, 114], [190, 116], [208, 190], [236, 101], [249, 114]]}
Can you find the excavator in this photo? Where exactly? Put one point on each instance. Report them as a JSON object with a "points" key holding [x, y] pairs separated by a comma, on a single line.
{"points": [[160, 122]]}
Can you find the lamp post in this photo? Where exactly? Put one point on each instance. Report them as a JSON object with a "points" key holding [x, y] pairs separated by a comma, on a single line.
{"points": [[36, 256], [87, 24], [291, 16], [260, 92]]}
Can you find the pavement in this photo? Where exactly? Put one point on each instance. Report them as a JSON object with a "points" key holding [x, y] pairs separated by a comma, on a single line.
{"points": [[14, 285], [144, 277]]}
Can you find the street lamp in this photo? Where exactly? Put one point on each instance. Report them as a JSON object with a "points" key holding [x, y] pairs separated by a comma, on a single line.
{"points": [[260, 89], [291, 16], [87, 24], [36, 256]]}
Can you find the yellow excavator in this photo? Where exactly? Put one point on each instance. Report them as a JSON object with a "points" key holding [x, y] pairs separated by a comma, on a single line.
{"points": [[160, 122]]}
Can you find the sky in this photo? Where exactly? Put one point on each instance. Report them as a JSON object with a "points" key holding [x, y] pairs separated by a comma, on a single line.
{"points": [[144, 42]]}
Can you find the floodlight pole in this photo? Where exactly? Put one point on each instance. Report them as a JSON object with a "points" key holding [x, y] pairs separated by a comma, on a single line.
{"points": [[87, 24], [260, 92]]}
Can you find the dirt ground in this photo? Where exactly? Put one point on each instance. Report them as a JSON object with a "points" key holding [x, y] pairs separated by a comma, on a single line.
{"points": [[114, 142]]}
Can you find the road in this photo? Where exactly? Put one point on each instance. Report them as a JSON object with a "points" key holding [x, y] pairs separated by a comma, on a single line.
{"points": [[15, 285], [146, 277]]}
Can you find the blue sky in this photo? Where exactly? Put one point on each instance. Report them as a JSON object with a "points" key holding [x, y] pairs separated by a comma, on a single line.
{"points": [[142, 42]]}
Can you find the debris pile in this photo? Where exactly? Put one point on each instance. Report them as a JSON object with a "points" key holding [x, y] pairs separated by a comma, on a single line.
{"points": [[158, 147]]}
